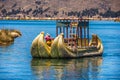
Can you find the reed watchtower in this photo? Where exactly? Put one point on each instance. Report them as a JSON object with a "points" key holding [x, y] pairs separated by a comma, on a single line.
{"points": [[76, 32]]}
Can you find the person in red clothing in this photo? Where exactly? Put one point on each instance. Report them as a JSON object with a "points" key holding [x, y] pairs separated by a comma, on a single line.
{"points": [[48, 39]]}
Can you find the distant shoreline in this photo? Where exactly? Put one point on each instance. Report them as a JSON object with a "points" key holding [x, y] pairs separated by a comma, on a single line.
{"points": [[49, 18]]}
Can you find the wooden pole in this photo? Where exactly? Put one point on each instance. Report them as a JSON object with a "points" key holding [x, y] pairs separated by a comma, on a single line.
{"points": [[84, 33], [63, 30], [88, 32], [67, 31], [56, 30], [81, 35], [70, 35], [77, 34]]}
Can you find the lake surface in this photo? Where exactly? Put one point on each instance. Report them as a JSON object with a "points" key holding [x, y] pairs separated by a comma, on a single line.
{"points": [[16, 62]]}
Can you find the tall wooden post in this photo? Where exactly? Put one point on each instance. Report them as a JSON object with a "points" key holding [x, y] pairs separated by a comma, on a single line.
{"points": [[84, 33], [81, 35], [77, 34], [88, 31], [63, 31], [56, 30], [67, 31], [78, 30]]}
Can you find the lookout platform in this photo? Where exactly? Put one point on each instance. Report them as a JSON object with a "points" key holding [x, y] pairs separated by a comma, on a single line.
{"points": [[76, 31]]}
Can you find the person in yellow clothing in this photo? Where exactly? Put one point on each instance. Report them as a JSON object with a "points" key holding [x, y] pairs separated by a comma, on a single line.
{"points": [[48, 39]]}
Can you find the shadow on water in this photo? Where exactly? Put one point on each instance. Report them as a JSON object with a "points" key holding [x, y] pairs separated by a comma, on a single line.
{"points": [[67, 69]]}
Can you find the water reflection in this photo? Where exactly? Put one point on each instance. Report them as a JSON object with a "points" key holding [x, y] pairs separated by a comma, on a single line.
{"points": [[67, 69]]}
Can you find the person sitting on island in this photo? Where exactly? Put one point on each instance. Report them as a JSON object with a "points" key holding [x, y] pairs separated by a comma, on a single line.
{"points": [[48, 39]]}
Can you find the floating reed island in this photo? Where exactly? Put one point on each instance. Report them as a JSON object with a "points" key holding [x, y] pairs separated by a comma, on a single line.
{"points": [[7, 36], [72, 41]]}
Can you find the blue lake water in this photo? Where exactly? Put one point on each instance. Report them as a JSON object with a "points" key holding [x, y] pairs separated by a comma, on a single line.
{"points": [[16, 62]]}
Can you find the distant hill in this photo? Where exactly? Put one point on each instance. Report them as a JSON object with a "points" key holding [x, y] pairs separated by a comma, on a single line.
{"points": [[60, 8]]}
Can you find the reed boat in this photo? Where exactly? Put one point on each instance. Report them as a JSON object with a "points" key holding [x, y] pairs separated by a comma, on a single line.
{"points": [[71, 41]]}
